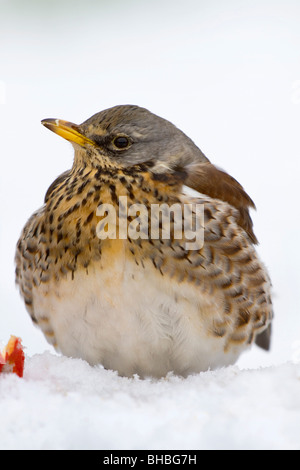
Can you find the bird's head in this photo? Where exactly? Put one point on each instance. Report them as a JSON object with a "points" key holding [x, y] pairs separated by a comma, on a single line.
{"points": [[126, 136]]}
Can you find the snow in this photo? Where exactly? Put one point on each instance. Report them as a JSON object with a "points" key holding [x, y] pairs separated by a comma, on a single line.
{"points": [[228, 76], [64, 403]]}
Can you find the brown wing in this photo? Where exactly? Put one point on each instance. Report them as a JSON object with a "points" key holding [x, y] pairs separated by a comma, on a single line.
{"points": [[207, 179]]}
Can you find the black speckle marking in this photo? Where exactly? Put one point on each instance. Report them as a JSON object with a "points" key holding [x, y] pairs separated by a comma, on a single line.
{"points": [[78, 231], [59, 237], [113, 193], [208, 214], [69, 211], [90, 193], [58, 202], [97, 197], [89, 218], [82, 186], [130, 193]]}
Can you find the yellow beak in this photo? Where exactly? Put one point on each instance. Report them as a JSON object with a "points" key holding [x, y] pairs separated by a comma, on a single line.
{"points": [[68, 131]]}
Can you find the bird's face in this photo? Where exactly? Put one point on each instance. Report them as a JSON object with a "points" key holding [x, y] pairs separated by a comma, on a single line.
{"points": [[125, 136]]}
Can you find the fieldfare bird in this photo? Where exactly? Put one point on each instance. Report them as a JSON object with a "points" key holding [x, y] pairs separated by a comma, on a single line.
{"points": [[137, 303]]}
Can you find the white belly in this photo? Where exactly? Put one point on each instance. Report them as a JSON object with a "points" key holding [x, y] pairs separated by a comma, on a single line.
{"points": [[135, 321]]}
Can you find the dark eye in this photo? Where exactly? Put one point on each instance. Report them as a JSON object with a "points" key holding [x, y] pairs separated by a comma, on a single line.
{"points": [[121, 142]]}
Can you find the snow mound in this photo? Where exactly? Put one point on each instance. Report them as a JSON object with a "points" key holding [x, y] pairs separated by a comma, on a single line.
{"points": [[64, 403]]}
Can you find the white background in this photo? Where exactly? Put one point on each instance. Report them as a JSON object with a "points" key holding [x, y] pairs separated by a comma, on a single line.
{"points": [[226, 72]]}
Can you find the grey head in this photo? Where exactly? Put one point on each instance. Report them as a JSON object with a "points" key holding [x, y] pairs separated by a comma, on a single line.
{"points": [[131, 135]]}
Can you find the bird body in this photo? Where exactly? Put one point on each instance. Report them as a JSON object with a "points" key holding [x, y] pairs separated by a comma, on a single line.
{"points": [[142, 305]]}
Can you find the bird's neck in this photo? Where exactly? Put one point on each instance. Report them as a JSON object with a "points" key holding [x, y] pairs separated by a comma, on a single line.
{"points": [[90, 187]]}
